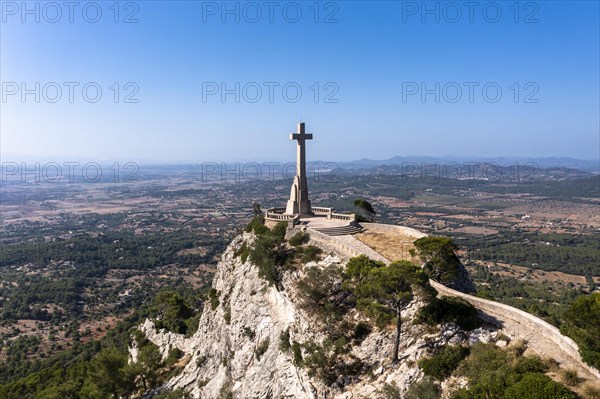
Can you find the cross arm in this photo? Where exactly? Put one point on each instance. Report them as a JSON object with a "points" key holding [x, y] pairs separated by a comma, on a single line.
{"points": [[305, 136]]}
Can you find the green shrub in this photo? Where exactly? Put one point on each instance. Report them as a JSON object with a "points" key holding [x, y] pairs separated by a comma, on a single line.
{"points": [[226, 391], [424, 389], [441, 365], [284, 340], [257, 225], [361, 331], [438, 253], [271, 255], [311, 254], [174, 355], [213, 295], [538, 386], [325, 363], [297, 351], [243, 252], [321, 292], [529, 364], [299, 238], [227, 315], [448, 309], [262, 348], [279, 230], [391, 391], [204, 382], [171, 311], [496, 373], [582, 323]]}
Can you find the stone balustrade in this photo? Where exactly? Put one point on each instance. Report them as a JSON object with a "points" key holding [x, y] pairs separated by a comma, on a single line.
{"points": [[351, 217], [321, 210]]}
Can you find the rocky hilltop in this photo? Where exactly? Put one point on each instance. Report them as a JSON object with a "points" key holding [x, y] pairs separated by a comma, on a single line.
{"points": [[257, 339]]}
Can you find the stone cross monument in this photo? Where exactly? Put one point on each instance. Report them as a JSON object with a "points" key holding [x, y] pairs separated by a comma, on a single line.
{"points": [[299, 202]]}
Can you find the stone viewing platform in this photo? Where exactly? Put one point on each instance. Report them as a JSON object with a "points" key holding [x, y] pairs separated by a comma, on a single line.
{"points": [[324, 220]]}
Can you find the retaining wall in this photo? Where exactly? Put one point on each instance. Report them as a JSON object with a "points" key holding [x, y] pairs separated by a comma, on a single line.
{"points": [[528, 324]]}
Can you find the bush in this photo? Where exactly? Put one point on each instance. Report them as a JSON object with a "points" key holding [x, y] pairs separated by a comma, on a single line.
{"points": [[226, 391], [262, 348], [299, 238], [391, 391], [569, 377], [538, 386], [227, 315], [284, 340], [361, 332], [174, 355], [448, 309], [213, 295], [582, 323], [496, 373], [321, 293], [441, 263], [270, 254], [591, 390], [297, 351], [243, 252], [201, 361], [441, 365], [325, 363], [257, 225], [311, 254], [530, 364], [424, 389], [171, 311]]}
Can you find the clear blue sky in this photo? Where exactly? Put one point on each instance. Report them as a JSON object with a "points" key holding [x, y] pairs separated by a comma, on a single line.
{"points": [[374, 54]]}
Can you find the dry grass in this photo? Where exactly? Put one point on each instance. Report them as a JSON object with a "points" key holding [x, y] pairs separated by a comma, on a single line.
{"points": [[591, 390], [391, 245], [569, 377]]}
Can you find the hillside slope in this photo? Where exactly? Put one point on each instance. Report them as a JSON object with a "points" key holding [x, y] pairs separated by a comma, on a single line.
{"points": [[237, 349]]}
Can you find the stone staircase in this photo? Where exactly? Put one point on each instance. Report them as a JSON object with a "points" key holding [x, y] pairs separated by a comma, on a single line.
{"points": [[338, 230]]}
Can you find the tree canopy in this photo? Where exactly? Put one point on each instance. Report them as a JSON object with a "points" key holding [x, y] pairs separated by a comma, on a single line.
{"points": [[366, 206], [582, 323], [384, 291], [441, 262]]}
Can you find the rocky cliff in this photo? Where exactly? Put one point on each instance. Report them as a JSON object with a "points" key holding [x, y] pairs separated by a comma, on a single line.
{"points": [[248, 344]]}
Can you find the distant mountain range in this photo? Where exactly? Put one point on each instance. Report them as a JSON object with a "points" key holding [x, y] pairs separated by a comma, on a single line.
{"points": [[543, 163], [586, 165]]}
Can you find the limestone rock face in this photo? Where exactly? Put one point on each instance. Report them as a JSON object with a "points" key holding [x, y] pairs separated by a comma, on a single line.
{"points": [[236, 347]]}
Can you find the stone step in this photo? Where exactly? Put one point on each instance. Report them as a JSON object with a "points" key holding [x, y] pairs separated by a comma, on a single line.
{"points": [[339, 230]]}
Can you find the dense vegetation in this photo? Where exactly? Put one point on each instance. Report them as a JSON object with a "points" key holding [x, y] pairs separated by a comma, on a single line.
{"points": [[438, 253], [383, 291], [66, 268], [492, 372], [506, 374], [546, 300], [272, 254], [582, 323], [576, 254], [449, 310], [99, 369]]}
